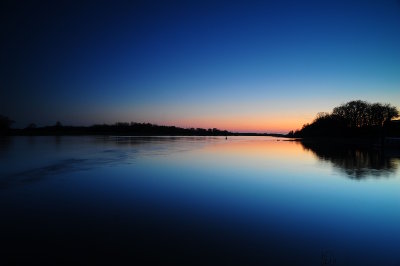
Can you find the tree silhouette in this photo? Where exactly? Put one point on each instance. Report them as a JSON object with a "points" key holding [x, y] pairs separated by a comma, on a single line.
{"points": [[5, 123], [354, 118], [360, 113], [31, 126]]}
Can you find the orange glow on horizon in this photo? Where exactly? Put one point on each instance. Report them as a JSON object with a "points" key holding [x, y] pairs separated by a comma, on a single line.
{"points": [[264, 145], [257, 125], [261, 147]]}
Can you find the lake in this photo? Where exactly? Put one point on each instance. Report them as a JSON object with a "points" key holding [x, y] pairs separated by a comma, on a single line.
{"points": [[197, 200]]}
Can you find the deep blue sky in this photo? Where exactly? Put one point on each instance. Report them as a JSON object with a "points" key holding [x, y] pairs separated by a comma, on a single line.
{"points": [[247, 66]]}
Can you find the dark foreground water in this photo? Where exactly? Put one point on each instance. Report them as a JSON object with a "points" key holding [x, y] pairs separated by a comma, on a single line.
{"points": [[196, 200]]}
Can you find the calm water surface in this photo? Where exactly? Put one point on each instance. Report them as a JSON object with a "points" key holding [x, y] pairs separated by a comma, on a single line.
{"points": [[197, 200]]}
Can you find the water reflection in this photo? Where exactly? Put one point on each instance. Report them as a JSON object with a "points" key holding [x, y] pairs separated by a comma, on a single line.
{"points": [[81, 154], [356, 162], [191, 200]]}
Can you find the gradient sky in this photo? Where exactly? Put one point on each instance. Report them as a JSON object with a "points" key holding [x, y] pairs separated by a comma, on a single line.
{"points": [[265, 66]]}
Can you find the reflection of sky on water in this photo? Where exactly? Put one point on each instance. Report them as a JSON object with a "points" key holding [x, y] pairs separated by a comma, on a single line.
{"points": [[254, 199]]}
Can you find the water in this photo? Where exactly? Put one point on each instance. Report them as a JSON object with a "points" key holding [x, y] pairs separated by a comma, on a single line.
{"points": [[197, 200]]}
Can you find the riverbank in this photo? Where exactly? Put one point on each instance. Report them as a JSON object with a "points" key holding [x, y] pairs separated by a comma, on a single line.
{"points": [[392, 142]]}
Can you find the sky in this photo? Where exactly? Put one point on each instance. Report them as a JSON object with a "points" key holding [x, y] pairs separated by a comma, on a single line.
{"points": [[245, 66]]}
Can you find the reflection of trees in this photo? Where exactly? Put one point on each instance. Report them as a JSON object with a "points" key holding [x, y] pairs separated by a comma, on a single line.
{"points": [[356, 162]]}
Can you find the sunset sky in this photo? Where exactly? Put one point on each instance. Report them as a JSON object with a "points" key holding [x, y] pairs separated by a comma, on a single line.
{"points": [[245, 66]]}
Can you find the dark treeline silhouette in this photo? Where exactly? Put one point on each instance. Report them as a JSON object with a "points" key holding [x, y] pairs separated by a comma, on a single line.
{"points": [[120, 128], [353, 119], [5, 124], [357, 161]]}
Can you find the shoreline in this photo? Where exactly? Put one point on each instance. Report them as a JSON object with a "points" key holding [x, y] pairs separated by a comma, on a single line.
{"points": [[363, 142]]}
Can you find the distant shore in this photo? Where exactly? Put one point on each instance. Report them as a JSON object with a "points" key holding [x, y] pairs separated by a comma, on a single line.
{"points": [[127, 129], [134, 134]]}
